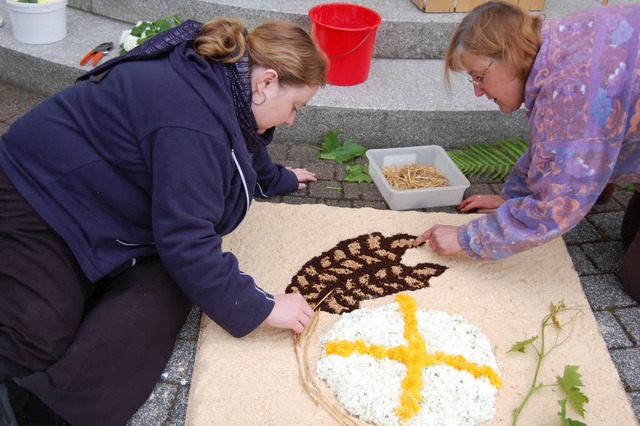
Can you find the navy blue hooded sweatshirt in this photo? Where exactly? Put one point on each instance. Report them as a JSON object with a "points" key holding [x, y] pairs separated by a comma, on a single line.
{"points": [[151, 159]]}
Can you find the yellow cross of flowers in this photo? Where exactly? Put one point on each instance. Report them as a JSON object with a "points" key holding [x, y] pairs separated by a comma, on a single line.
{"points": [[415, 357]]}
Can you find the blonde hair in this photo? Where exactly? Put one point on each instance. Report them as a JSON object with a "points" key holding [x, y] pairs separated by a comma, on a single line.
{"points": [[281, 46], [498, 30]]}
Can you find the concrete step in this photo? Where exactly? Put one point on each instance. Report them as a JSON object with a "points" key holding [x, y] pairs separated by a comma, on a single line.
{"points": [[402, 103], [405, 32]]}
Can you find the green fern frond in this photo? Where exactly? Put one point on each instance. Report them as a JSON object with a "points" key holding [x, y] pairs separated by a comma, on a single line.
{"points": [[493, 160]]}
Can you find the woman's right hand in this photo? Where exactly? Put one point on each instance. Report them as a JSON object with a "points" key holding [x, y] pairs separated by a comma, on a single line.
{"points": [[290, 311], [481, 203]]}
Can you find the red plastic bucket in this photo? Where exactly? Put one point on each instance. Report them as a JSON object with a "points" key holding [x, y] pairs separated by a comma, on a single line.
{"points": [[346, 33]]}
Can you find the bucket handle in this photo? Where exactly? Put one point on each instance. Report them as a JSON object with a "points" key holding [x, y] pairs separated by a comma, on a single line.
{"points": [[354, 49]]}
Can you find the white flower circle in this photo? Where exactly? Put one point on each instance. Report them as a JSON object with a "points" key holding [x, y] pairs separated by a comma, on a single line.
{"points": [[370, 388]]}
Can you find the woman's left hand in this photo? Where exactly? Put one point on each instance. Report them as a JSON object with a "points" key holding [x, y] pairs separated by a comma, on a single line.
{"points": [[303, 175], [443, 239]]}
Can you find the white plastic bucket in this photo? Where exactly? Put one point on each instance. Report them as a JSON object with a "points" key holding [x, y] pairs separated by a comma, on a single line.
{"points": [[38, 23]]}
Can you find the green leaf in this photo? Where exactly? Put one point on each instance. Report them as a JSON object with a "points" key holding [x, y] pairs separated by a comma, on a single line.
{"points": [[494, 159], [566, 421], [152, 29], [348, 151], [571, 383], [330, 142], [333, 149], [521, 346], [162, 25], [358, 173], [511, 149], [140, 28]]}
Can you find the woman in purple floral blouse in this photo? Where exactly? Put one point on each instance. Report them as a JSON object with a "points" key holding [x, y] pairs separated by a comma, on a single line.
{"points": [[579, 80]]}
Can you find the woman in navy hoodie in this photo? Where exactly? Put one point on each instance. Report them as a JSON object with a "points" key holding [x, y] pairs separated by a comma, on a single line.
{"points": [[114, 197]]}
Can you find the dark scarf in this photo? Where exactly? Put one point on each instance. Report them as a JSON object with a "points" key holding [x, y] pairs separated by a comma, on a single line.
{"points": [[238, 75]]}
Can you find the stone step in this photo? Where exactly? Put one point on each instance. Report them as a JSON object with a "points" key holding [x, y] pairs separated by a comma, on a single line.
{"points": [[405, 32], [402, 103]]}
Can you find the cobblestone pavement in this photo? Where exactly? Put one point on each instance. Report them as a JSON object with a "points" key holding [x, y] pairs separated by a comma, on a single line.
{"points": [[594, 245]]}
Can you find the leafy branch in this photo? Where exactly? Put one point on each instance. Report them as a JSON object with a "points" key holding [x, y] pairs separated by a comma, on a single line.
{"points": [[570, 382], [492, 159]]}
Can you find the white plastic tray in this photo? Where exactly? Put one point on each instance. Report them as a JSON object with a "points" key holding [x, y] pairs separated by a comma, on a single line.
{"points": [[417, 198]]}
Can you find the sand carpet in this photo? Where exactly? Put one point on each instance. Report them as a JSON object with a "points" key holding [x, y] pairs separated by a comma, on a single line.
{"points": [[255, 380]]}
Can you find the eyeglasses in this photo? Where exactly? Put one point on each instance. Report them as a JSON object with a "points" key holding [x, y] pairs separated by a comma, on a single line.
{"points": [[478, 81]]}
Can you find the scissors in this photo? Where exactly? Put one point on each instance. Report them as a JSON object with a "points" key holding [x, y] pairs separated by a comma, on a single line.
{"points": [[97, 53]]}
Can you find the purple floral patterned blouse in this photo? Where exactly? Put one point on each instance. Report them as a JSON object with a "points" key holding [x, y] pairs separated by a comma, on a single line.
{"points": [[583, 103]]}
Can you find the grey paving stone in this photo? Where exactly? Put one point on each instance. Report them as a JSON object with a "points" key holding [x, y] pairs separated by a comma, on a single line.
{"points": [[612, 332], [361, 191], [302, 152], [609, 224], [179, 412], [352, 190], [341, 172], [380, 205], [634, 397], [324, 170], [607, 256], [272, 199], [630, 319], [299, 193], [191, 327], [290, 199], [15, 102], [623, 196], [582, 233], [444, 209], [581, 262], [478, 189], [605, 291], [156, 410], [479, 179], [609, 206], [180, 365], [496, 188], [326, 190], [338, 203], [370, 191], [278, 151], [627, 362]]}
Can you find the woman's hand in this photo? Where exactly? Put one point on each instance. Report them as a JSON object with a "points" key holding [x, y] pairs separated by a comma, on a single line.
{"points": [[481, 203], [303, 175], [443, 239], [290, 311]]}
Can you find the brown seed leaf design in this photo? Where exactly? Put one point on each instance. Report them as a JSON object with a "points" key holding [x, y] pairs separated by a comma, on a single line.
{"points": [[365, 267]]}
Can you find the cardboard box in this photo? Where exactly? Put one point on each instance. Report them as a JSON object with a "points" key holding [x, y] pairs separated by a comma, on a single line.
{"points": [[408, 199], [439, 6]]}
